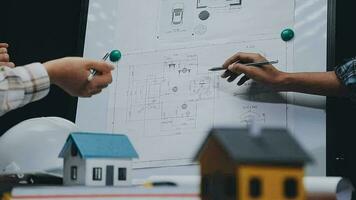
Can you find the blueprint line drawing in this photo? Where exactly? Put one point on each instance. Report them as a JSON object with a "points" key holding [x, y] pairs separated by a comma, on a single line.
{"points": [[170, 95], [171, 91]]}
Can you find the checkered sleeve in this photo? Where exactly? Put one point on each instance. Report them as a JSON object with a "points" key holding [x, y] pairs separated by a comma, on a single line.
{"points": [[22, 85], [347, 74]]}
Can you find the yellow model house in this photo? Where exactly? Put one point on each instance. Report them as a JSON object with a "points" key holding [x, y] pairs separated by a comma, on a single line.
{"points": [[236, 164]]}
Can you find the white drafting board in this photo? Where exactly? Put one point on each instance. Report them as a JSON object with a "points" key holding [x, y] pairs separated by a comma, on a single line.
{"points": [[163, 95]]}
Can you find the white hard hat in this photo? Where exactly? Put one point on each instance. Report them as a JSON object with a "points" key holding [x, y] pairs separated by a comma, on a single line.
{"points": [[32, 146]]}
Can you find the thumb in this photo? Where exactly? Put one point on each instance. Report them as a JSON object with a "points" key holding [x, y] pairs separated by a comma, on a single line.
{"points": [[8, 64], [101, 66], [239, 68]]}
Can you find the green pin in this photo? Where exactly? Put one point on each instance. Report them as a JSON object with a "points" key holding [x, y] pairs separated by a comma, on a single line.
{"points": [[115, 55], [287, 34]]}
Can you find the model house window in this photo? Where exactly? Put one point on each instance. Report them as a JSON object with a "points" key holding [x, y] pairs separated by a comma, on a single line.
{"points": [[290, 188], [97, 174], [73, 172], [122, 174], [255, 187], [73, 150], [205, 185]]}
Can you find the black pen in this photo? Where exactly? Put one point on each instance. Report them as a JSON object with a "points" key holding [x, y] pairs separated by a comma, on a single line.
{"points": [[256, 64], [159, 183]]}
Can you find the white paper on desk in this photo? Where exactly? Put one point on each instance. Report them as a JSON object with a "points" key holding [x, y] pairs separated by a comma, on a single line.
{"points": [[336, 188], [316, 187]]}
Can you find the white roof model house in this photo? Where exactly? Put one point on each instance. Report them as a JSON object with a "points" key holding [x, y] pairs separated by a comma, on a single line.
{"points": [[97, 159]]}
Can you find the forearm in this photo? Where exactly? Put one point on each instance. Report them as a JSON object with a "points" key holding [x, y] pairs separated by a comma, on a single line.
{"points": [[319, 83]]}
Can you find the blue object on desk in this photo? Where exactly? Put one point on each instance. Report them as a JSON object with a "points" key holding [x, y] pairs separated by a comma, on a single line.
{"points": [[100, 145]]}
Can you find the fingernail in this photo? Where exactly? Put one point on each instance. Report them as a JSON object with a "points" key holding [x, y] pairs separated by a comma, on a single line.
{"points": [[112, 67]]}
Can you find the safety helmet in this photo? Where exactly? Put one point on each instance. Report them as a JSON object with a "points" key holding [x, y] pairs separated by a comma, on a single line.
{"points": [[33, 145]]}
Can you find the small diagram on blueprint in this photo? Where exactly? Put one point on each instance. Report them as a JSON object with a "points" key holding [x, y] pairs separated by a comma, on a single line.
{"points": [[184, 20], [176, 19], [251, 114]]}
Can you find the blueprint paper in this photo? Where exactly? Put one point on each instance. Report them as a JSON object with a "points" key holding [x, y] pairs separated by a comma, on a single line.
{"points": [[163, 95]]}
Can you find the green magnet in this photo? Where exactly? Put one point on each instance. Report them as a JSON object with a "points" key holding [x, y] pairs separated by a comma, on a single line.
{"points": [[287, 34], [115, 55]]}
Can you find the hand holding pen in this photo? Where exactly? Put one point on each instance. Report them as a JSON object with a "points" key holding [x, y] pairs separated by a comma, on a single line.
{"points": [[253, 66], [114, 56]]}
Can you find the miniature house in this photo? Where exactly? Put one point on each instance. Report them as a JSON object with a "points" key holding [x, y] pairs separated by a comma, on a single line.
{"points": [[97, 159], [238, 165]]}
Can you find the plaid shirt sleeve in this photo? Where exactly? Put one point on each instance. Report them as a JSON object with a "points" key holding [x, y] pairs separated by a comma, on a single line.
{"points": [[22, 85], [347, 74]]}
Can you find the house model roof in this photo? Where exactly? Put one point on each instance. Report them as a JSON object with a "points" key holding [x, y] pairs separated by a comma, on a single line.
{"points": [[100, 145], [272, 146]]}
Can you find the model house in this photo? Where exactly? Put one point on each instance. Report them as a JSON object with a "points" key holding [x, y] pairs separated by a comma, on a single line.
{"points": [[236, 164], [97, 159]]}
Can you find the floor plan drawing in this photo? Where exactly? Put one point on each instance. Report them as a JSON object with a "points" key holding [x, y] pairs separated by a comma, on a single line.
{"points": [[172, 93], [169, 94]]}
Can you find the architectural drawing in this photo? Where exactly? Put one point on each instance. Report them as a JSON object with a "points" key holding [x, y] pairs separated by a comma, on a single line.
{"points": [[172, 94]]}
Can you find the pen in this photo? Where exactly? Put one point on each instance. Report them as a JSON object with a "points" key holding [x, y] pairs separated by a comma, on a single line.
{"points": [[159, 183], [256, 64], [93, 71], [114, 55]]}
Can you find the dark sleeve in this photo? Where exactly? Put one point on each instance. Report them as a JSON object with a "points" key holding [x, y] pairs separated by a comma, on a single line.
{"points": [[347, 74]]}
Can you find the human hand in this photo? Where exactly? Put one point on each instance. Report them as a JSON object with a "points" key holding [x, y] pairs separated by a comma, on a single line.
{"points": [[71, 74], [266, 74], [4, 56]]}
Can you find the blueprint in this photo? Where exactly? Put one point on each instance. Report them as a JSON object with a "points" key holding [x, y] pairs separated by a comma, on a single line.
{"points": [[163, 95]]}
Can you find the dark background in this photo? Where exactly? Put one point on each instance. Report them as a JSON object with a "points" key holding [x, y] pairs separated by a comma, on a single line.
{"points": [[341, 113], [41, 30], [38, 31]]}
